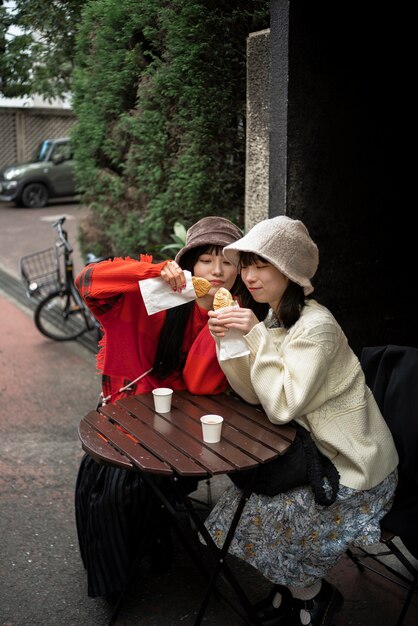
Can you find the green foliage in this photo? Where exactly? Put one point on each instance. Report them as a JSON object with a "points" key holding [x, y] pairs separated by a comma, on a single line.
{"points": [[37, 57], [159, 92]]}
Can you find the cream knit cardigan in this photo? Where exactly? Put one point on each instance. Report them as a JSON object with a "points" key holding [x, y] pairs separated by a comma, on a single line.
{"points": [[310, 374]]}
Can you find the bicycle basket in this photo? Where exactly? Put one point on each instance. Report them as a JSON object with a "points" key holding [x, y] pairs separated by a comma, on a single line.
{"points": [[40, 272]]}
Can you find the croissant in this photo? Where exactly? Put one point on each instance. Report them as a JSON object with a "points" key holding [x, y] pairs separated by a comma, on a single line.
{"points": [[201, 286], [222, 298]]}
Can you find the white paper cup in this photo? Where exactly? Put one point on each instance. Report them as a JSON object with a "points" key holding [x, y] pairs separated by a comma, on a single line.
{"points": [[211, 428], [162, 399]]}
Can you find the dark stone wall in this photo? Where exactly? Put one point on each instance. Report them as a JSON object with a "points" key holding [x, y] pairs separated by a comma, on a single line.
{"points": [[348, 172]]}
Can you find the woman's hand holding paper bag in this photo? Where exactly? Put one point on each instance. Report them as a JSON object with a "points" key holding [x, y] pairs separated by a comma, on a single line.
{"points": [[232, 345], [172, 289]]}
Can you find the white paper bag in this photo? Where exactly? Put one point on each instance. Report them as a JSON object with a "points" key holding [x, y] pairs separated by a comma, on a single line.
{"points": [[159, 295], [233, 344]]}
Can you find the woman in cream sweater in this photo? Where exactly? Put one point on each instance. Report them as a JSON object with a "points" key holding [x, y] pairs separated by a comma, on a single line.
{"points": [[300, 367]]}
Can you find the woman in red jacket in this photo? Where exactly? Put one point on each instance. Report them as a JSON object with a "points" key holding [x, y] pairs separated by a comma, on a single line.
{"points": [[177, 351]]}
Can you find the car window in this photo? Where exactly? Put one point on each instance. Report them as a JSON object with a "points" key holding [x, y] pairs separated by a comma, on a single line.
{"points": [[63, 150]]}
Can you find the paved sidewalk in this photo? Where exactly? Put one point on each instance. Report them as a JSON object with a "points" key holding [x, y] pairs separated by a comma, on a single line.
{"points": [[45, 388]]}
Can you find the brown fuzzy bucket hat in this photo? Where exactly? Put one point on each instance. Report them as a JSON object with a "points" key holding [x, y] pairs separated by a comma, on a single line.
{"points": [[283, 242], [212, 230]]}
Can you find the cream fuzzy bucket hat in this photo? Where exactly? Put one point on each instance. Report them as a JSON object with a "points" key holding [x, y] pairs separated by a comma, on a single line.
{"points": [[283, 242]]}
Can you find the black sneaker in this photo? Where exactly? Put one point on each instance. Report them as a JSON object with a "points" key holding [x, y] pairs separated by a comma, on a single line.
{"points": [[321, 608]]}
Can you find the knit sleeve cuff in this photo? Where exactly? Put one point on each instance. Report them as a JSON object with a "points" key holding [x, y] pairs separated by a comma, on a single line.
{"points": [[257, 335]]}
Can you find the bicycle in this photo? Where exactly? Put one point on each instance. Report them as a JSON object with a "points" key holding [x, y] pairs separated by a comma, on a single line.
{"points": [[61, 313]]}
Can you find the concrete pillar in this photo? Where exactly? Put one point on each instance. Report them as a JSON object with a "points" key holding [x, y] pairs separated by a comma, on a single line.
{"points": [[257, 146]]}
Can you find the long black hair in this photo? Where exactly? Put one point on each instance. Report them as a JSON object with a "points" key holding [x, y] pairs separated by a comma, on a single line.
{"points": [[291, 304], [169, 356]]}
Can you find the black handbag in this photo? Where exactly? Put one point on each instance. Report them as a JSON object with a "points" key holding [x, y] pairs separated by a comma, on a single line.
{"points": [[301, 464]]}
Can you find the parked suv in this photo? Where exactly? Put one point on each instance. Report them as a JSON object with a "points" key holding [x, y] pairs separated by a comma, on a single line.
{"points": [[50, 174]]}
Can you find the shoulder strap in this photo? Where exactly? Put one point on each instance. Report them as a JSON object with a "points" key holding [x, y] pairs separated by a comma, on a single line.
{"points": [[319, 467]]}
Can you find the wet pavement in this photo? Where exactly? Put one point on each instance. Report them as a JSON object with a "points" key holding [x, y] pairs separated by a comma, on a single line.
{"points": [[45, 389]]}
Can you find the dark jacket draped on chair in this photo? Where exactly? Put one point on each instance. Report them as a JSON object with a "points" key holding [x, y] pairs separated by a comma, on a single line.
{"points": [[392, 374]]}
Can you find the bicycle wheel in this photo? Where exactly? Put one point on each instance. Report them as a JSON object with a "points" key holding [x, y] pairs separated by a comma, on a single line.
{"points": [[60, 317]]}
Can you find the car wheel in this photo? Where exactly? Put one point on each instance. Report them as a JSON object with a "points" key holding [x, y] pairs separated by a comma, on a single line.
{"points": [[34, 195]]}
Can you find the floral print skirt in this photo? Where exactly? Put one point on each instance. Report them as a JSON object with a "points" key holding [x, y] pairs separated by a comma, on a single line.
{"points": [[293, 541]]}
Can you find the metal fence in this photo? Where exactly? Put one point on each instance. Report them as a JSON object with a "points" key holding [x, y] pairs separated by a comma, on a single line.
{"points": [[21, 131]]}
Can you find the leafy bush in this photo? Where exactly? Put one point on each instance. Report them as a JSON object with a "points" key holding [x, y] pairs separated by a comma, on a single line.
{"points": [[159, 92]]}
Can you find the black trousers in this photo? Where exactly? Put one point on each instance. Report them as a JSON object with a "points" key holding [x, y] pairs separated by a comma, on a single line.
{"points": [[114, 507]]}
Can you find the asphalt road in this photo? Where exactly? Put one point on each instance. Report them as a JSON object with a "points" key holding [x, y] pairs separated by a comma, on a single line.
{"points": [[23, 231], [45, 389]]}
